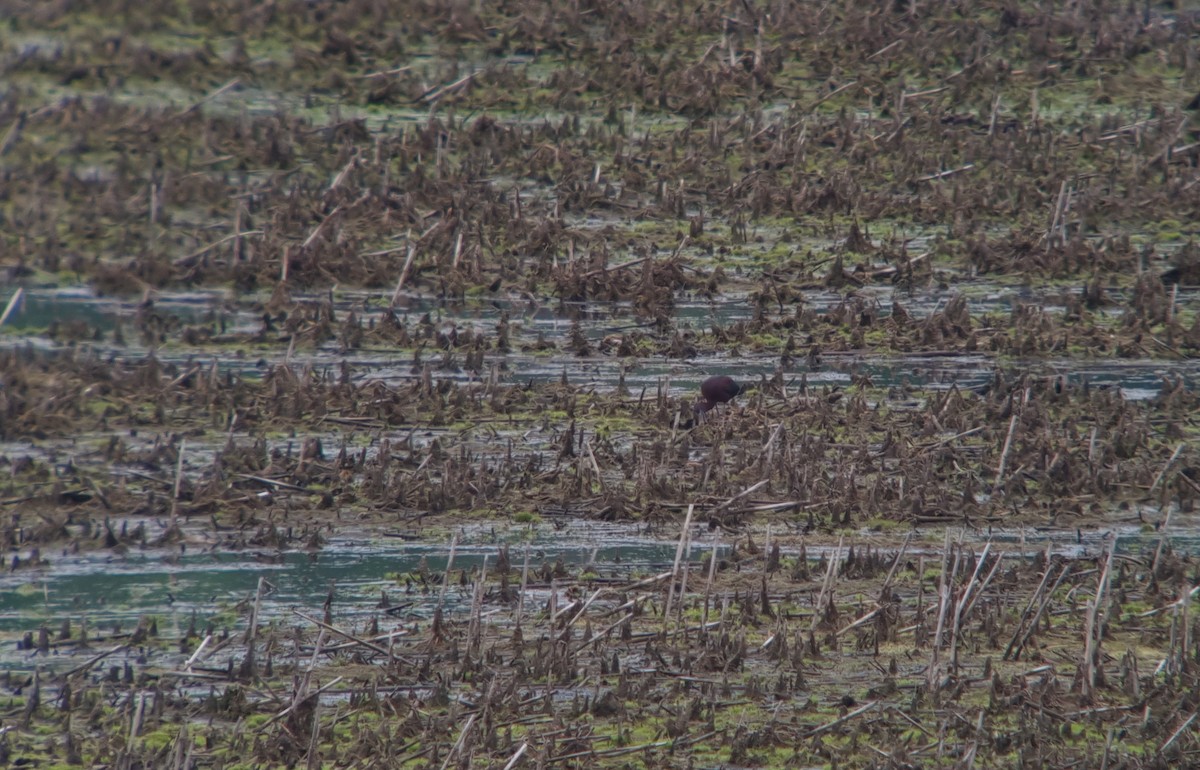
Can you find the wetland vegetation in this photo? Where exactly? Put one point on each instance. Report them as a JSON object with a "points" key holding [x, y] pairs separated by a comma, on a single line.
{"points": [[348, 355]]}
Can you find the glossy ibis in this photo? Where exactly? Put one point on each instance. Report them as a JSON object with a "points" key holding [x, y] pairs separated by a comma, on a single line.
{"points": [[719, 389]]}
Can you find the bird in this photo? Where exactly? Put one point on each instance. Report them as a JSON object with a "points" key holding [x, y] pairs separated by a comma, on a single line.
{"points": [[718, 389]]}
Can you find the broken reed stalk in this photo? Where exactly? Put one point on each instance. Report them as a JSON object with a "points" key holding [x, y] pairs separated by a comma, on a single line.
{"points": [[196, 655], [1093, 625], [252, 628], [687, 522], [13, 301], [1162, 473], [296, 702], [595, 465], [462, 737], [933, 672], [1056, 219], [1033, 599], [840, 720], [87, 664], [887, 583], [348, 636], [135, 722], [826, 584], [982, 587], [408, 260], [446, 579], [178, 481], [960, 605], [1178, 732], [208, 98], [1185, 628], [516, 757], [524, 583], [683, 585], [475, 625], [712, 573], [1012, 429], [312, 760], [769, 449], [235, 236], [747, 491], [182, 753], [1026, 630]]}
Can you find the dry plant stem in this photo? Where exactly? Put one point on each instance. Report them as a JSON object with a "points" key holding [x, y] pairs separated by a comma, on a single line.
{"points": [[338, 209], [350, 637], [462, 737], [712, 573], [449, 565], [196, 655], [235, 236], [687, 522], [1012, 428], [1178, 732], [475, 625], [135, 724], [412, 251], [12, 135], [860, 621], [524, 583], [252, 626], [1026, 630], [312, 758], [747, 491], [516, 757], [231, 84], [1162, 473], [840, 720], [1092, 627], [178, 481], [345, 172], [296, 702], [959, 616], [13, 301], [826, 584], [87, 664], [1185, 628], [982, 587], [595, 465], [887, 583], [947, 173], [1162, 541]]}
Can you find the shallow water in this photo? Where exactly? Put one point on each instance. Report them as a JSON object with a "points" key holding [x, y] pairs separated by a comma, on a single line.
{"points": [[216, 586], [529, 320], [108, 592]]}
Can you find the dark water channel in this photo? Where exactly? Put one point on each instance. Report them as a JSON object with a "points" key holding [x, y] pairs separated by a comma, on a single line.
{"points": [[531, 319]]}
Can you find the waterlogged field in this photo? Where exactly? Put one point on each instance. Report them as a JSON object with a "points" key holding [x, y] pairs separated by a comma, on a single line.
{"points": [[348, 356]]}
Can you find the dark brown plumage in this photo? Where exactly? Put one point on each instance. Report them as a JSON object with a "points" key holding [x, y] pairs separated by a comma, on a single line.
{"points": [[719, 389]]}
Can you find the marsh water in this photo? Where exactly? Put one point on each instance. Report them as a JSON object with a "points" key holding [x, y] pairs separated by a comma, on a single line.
{"points": [[211, 587], [531, 319]]}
